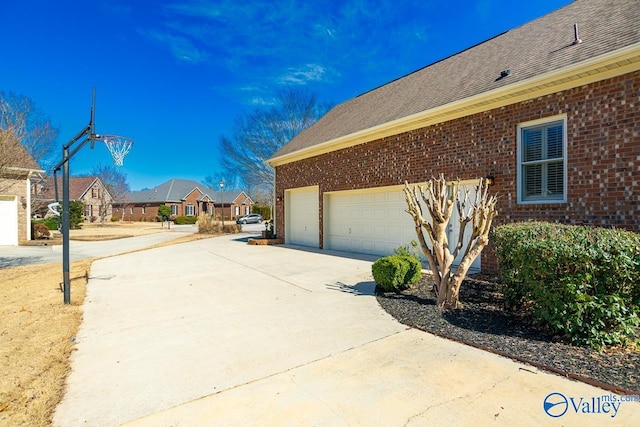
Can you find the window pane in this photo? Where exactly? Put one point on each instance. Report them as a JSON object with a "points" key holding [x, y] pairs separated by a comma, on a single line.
{"points": [[554, 141], [555, 179], [532, 180], [532, 144]]}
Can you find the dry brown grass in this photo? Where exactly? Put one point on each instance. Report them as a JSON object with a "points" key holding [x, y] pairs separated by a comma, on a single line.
{"points": [[36, 339], [36, 336]]}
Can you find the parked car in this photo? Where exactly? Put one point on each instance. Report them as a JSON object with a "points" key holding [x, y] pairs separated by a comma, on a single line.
{"points": [[250, 219]]}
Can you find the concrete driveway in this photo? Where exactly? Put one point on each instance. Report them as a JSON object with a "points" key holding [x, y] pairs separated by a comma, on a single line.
{"points": [[217, 332]]}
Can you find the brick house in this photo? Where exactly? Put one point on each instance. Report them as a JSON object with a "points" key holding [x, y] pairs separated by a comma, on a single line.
{"points": [[549, 109], [17, 167], [185, 197], [88, 189]]}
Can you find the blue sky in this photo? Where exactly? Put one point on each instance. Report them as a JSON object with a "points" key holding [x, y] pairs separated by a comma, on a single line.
{"points": [[173, 74]]}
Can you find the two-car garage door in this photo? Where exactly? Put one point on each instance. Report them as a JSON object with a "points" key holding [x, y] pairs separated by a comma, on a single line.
{"points": [[370, 221]]}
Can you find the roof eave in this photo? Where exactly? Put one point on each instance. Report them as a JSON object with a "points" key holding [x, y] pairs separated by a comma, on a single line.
{"points": [[612, 64]]}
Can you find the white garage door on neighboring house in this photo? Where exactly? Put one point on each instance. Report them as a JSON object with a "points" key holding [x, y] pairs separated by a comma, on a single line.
{"points": [[372, 221], [302, 213], [8, 220]]}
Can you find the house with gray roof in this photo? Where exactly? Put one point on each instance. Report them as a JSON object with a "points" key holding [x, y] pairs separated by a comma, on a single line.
{"points": [[186, 198], [549, 110]]}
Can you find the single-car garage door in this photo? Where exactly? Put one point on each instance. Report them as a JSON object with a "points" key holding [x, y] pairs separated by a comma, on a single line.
{"points": [[375, 221], [8, 220], [302, 213]]}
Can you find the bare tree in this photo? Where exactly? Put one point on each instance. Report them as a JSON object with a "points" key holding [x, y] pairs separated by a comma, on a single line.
{"points": [[231, 182], [13, 159], [20, 117], [440, 199], [116, 184], [258, 135]]}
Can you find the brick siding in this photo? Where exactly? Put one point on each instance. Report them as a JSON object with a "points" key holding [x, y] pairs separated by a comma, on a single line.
{"points": [[603, 158]]}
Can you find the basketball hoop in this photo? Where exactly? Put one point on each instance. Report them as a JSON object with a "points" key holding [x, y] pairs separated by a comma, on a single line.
{"points": [[118, 146]]}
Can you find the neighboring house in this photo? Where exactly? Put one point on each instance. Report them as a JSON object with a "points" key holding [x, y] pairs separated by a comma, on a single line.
{"points": [[550, 110], [16, 169], [89, 190], [185, 197]]}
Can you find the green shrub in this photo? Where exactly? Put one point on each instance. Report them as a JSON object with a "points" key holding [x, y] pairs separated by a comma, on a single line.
{"points": [[50, 223], [115, 219], [580, 282], [391, 272], [414, 274], [76, 211], [184, 219]]}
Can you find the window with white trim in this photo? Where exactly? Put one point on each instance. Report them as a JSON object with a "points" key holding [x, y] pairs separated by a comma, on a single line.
{"points": [[189, 210], [542, 147], [246, 210], [237, 210], [144, 210], [174, 210]]}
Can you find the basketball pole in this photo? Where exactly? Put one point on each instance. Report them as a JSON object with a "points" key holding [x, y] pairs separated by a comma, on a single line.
{"points": [[89, 133]]}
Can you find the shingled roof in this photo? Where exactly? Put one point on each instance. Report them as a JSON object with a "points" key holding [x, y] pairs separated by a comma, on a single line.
{"points": [[176, 190], [532, 50], [78, 187]]}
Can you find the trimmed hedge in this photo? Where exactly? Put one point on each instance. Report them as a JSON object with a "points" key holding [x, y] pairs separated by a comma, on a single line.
{"points": [[396, 272], [580, 282], [180, 220]]}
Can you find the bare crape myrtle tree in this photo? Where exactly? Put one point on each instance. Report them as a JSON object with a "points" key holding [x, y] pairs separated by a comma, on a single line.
{"points": [[440, 198]]}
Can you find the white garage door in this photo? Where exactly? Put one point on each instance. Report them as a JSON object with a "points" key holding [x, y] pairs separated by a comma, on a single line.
{"points": [[302, 217], [373, 222], [8, 220], [367, 221]]}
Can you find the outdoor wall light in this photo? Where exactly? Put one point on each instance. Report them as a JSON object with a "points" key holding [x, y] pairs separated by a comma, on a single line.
{"points": [[490, 180], [278, 199], [23, 201]]}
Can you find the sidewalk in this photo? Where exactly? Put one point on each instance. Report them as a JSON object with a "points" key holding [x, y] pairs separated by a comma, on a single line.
{"points": [[217, 332]]}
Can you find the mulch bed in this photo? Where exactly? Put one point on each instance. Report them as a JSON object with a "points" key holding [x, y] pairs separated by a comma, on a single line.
{"points": [[484, 323]]}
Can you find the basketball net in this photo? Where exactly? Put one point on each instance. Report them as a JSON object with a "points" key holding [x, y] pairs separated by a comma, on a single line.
{"points": [[118, 146]]}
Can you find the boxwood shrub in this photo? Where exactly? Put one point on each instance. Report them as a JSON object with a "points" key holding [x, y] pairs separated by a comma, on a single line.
{"points": [[180, 220], [580, 282], [396, 272]]}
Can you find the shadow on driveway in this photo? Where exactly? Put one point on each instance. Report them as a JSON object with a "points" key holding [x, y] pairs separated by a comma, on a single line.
{"points": [[16, 261]]}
